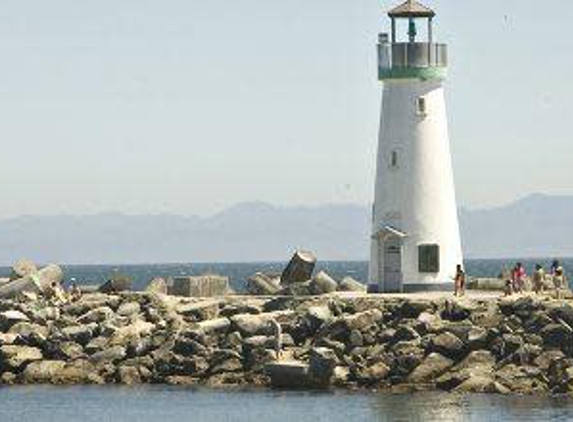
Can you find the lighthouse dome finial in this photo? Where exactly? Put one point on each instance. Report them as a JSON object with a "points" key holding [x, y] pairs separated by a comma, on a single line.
{"points": [[411, 9]]}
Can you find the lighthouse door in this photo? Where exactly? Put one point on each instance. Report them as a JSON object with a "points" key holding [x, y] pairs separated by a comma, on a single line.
{"points": [[392, 250]]}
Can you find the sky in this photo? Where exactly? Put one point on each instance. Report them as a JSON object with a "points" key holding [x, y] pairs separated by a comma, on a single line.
{"points": [[188, 106]]}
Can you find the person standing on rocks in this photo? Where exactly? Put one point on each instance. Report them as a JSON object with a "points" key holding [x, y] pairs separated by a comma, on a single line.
{"points": [[518, 276], [559, 281], [538, 279], [460, 282], [508, 285]]}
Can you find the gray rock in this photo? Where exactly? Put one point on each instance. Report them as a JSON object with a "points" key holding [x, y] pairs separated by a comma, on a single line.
{"points": [[204, 310], [158, 286], [412, 308], [109, 355], [321, 366], [317, 316], [348, 284], [128, 375], [322, 283], [477, 338], [96, 344], [97, 315], [215, 325], [23, 268], [289, 374], [405, 333], [362, 320], [42, 372], [262, 284], [81, 334], [68, 351], [555, 335], [30, 332], [9, 318], [356, 339], [14, 357], [251, 325], [448, 345], [431, 367], [129, 309]]}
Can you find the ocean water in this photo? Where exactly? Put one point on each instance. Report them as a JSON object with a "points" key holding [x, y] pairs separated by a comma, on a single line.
{"points": [[157, 403], [239, 272]]}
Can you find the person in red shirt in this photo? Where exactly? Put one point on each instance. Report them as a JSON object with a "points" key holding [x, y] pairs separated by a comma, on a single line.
{"points": [[518, 276]]}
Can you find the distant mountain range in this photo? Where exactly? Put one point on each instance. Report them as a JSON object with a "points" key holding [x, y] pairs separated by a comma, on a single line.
{"points": [[535, 226]]}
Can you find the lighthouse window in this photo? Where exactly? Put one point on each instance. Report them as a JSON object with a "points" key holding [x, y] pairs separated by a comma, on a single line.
{"points": [[421, 106], [394, 163], [429, 258]]}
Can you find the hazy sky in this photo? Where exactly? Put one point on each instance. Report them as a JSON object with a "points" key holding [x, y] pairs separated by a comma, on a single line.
{"points": [[188, 106]]}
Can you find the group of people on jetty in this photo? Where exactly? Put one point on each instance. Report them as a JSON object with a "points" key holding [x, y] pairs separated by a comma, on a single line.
{"points": [[517, 281]]}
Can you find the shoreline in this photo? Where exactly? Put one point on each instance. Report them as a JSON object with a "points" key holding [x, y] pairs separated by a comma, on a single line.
{"points": [[351, 342]]}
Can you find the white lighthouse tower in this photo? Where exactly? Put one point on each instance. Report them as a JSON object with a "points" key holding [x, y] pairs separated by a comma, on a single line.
{"points": [[415, 237]]}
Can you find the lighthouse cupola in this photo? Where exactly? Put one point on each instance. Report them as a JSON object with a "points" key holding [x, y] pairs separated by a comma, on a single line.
{"points": [[415, 55]]}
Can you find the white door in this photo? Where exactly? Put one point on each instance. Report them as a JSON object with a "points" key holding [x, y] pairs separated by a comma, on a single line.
{"points": [[392, 250]]}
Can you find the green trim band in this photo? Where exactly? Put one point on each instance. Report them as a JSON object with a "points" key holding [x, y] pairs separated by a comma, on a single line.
{"points": [[424, 73]]}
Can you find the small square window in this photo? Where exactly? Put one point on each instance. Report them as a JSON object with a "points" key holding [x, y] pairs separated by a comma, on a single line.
{"points": [[429, 259], [394, 159], [421, 106]]}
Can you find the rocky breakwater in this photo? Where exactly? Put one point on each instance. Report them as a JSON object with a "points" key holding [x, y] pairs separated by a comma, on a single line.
{"points": [[516, 345]]}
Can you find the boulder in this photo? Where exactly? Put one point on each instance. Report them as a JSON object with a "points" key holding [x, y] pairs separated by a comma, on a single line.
{"points": [[348, 284], [448, 344], [362, 320], [81, 334], [299, 269], [479, 363], [14, 357], [128, 375], [317, 316], [556, 335], [262, 284], [97, 315], [91, 301], [405, 333], [67, 350], [203, 310], [77, 372], [37, 282], [215, 325], [129, 309], [481, 385], [322, 283], [288, 374], [30, 332], [108, 355], [7, 339], [9, 318], [42, 372], [321, 366], [23, 268], [209, 285], [431, 367], [158, 286], [298, 289], [115, 285], [412, 308], [251, 325]]}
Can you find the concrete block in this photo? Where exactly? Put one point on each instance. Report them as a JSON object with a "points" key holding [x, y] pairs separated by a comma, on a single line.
{"points": [[210, 285]]}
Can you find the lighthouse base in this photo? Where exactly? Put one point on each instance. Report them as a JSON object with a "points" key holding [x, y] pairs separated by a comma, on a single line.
{"points": [[437, 287]]}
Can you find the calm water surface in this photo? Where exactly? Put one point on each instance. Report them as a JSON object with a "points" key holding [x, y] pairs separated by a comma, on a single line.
{"points": [[144, 404]]}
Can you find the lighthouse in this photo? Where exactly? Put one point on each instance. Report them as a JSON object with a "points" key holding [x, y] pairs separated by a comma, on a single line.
{"points": [[415, 239]]}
